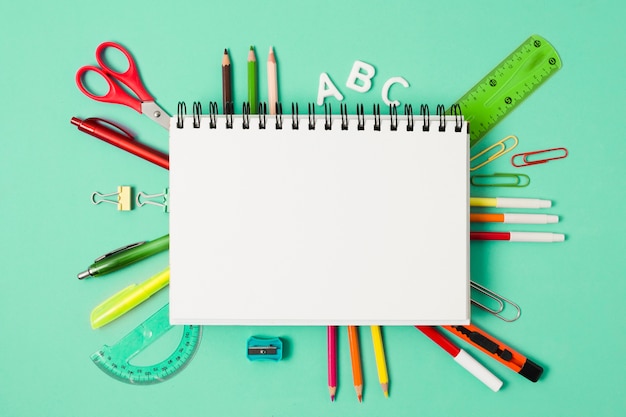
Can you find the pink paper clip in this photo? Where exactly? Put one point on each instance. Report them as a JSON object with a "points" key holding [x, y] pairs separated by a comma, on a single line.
{"points": [[559, 152]]}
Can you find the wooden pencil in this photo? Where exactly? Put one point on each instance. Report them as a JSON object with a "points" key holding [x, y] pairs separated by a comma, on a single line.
{"points": [[355, 356], [272, 81], [332, 361], [381, 364], [227, 95]]}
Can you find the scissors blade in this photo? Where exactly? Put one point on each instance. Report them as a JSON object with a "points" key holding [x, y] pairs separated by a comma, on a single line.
{"points": [[156, 113]]}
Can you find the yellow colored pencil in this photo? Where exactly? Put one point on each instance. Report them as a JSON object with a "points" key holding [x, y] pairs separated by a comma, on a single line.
{"points": [[381, 365]]}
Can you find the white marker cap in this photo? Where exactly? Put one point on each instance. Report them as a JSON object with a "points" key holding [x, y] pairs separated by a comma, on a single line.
{"points": [[523, 218], [536, 237], [533, 203], [478, 370]]}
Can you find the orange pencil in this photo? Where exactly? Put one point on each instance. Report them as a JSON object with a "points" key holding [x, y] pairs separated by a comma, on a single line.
{"points": [[355, 356]]}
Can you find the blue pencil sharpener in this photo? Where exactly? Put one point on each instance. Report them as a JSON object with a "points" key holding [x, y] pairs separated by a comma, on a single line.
{"points": [[265, 349]]}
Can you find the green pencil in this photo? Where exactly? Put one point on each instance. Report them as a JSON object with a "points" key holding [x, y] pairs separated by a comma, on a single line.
{"points": [[252, 81]]}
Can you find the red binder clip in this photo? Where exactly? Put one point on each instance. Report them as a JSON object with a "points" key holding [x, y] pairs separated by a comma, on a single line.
{"points": [[557, 153]]}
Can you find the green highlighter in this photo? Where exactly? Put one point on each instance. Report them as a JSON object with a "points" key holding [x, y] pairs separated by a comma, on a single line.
{"points": [[126, 255]]}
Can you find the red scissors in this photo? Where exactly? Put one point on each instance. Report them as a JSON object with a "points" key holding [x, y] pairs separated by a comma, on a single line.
{"points": [[144, 103]]}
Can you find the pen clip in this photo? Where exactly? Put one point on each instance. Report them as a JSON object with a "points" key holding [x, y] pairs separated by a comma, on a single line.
{"points": [[100, 121], [118, 250]]}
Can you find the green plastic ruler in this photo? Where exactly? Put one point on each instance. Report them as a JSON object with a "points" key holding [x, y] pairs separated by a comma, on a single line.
{"points": [[115, 360], [508, 84]]}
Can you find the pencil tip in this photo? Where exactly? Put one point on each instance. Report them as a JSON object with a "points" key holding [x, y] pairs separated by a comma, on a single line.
{"points": [[360, 398], [225, 51], [251, 48], [332, 398], [271, 49], [386, 394]]}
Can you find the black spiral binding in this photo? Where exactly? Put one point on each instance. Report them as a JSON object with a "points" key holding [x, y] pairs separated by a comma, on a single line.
{"points": [[295, 120], [245, 119], [458, 117], [344, 116], [279, 116], [328, 117], [455, 110], [393, 116], [376, 112], [425, 113], [311, 116], [212, 114], [262, 111], [229, 112], [408, 112], [197, 112], [182, 110], [360, 125], [441, 112]]}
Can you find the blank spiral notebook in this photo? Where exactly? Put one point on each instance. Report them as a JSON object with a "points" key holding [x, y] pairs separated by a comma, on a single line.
{"points": [[326, 220]]}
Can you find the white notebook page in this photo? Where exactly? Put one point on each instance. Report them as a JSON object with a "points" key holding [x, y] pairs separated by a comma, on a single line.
{"points": [[318, 227]]}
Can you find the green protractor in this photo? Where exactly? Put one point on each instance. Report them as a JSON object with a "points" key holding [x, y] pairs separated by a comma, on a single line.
{"points": [[508, 84], [115, 360]]}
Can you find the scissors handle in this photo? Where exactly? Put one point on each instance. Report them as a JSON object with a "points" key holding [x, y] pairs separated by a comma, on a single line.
{"points": [[130, 77], [115, 95]]}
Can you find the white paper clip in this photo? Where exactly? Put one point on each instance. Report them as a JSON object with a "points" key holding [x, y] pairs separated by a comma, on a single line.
{"points": [[123, 201], [143, 198]]}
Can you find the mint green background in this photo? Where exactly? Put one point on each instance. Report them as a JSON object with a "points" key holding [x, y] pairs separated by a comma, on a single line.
{"points": [[571, 293]]}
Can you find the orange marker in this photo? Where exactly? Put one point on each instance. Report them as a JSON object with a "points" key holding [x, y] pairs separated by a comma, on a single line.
{"points": [[520, 218]]}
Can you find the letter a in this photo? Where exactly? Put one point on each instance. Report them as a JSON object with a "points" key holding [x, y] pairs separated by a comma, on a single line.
{"points": [[326, 88]]}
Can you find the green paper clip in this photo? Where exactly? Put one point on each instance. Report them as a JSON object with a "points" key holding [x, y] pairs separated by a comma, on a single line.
{"points": [[520, 180]]}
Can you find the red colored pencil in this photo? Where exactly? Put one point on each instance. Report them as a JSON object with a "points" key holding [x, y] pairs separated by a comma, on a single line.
{"points": [[332, 361]]}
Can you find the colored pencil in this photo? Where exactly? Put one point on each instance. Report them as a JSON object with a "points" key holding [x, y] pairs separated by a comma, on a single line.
{"points": [[252, 81], [355, 356], [272, 81], [463, 358], [381, 364], [331, 332], [227, 94]]}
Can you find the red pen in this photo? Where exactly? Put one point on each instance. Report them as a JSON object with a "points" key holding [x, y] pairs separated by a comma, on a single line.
{"points": [[98, 128]]}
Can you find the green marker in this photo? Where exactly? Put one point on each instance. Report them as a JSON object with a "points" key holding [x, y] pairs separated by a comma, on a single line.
{"points": [[119, 258], [252, 82], [507, 85]]}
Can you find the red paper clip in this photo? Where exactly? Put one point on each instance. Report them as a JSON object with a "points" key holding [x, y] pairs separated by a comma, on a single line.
{"points": [[561, 153]]}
